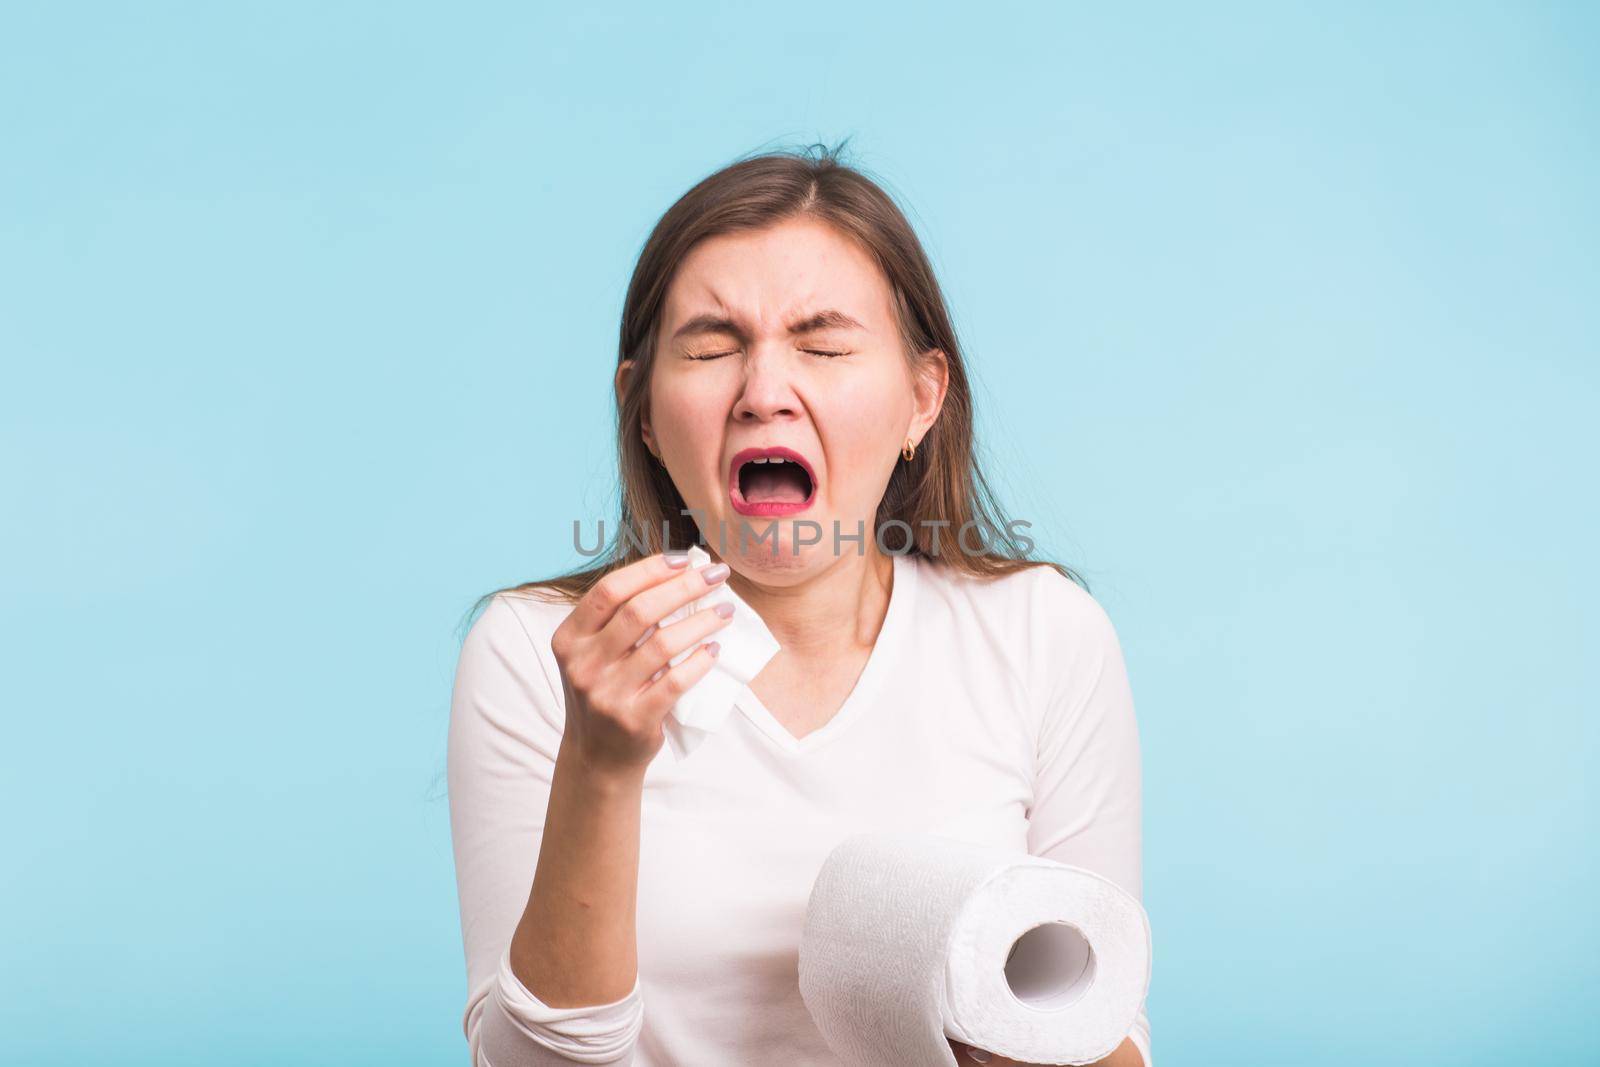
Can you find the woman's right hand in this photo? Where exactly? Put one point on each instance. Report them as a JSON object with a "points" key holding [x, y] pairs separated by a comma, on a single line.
{"points": [[614, 659]]}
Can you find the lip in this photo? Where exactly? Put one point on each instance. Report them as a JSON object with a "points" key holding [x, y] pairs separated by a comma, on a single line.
{"points": [[769, 509]]}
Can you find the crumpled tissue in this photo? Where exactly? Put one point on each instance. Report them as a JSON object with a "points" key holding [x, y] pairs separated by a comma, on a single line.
{"points": [[746, 647]]}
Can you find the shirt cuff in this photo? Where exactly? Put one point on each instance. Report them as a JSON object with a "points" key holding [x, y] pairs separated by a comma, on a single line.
{"points": [[600, 1033]]}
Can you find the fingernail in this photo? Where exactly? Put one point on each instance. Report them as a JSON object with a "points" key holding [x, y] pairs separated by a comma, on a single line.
{"points": [[713, 648], [725, 610], [715, 573], [646, 635], [675, 557], [658, 674], [978, 1054]]}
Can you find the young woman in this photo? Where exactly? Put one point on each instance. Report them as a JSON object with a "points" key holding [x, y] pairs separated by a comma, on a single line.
{"points": [[621, 906]]}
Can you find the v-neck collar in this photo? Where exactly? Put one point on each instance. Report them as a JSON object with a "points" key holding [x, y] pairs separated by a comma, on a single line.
{"points": [[896, 620]]}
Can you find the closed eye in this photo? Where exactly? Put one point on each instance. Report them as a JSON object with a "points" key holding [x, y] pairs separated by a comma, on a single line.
{"points": [[734, 352]]}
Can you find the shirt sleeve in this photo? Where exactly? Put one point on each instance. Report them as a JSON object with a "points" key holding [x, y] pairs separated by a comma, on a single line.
{"points": [[506, 721], [1086, 808]]}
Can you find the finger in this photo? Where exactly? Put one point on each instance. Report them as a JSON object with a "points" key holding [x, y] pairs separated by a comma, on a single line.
{"points": [[655, 652], [596, 607], [966, 1054], [672, 682], [632, 622]]}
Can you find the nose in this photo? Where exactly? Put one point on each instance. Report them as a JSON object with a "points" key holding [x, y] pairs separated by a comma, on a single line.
{"points": [[768, 392]]}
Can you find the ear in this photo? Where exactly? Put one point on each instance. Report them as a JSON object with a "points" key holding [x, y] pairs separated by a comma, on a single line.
{"points": [[931, 383], [624, 372]]}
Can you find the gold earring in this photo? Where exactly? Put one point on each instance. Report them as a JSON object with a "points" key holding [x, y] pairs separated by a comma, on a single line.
{"points": [[908, 451]]}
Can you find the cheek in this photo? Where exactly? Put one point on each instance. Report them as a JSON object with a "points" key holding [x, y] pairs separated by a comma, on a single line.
{"points": [[690, 419], [860, 432], [860, 436], [863, 421]]}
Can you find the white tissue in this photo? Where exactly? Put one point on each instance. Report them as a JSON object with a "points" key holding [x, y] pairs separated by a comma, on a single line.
{"points": [[746, 647], [908, 939]]}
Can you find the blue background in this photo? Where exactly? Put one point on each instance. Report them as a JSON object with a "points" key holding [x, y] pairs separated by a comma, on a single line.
{"points": [[1284, 324]]}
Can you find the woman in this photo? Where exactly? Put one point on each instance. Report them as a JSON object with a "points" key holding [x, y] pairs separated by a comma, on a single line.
{"points": [[621, 906]]}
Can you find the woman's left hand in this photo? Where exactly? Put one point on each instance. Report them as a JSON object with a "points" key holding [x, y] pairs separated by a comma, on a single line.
{"points": [[964, 1056], [1126, 1055]]}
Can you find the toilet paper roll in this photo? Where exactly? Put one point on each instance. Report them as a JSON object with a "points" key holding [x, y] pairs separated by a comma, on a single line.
{"points": [[910, 938], [745, 647]]}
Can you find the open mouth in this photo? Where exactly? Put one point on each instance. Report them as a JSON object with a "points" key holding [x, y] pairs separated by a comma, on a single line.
{"points": [[771, 481]]}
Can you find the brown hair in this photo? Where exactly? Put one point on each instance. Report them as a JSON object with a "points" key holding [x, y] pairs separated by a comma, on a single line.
{"points": [[942, 482]]}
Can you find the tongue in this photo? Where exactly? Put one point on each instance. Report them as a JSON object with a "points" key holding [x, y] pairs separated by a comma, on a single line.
{"points": [[774, 483]]}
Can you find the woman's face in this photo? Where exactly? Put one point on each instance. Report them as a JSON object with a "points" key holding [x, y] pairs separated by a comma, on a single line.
{"points": [[782, 342]]}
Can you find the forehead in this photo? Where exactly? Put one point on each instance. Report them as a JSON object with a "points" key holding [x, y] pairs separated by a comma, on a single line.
{"points": [[766, 277]]}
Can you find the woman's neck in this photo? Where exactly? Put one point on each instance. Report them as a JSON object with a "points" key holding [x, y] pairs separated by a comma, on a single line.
{"points": [[841, 606]]}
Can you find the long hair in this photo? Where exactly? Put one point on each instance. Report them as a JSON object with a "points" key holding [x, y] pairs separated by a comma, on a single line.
{"points": [[942, 484]]}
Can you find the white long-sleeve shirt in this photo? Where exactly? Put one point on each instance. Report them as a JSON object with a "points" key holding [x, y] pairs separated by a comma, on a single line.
{"points": [[998, 711]]}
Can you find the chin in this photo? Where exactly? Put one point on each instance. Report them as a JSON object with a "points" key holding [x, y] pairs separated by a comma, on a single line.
{"points": [[759, 559]]}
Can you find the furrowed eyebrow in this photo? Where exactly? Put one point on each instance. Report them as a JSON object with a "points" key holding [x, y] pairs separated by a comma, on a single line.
{"points": [[827, 319], [710, 322], [707, 323]]}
